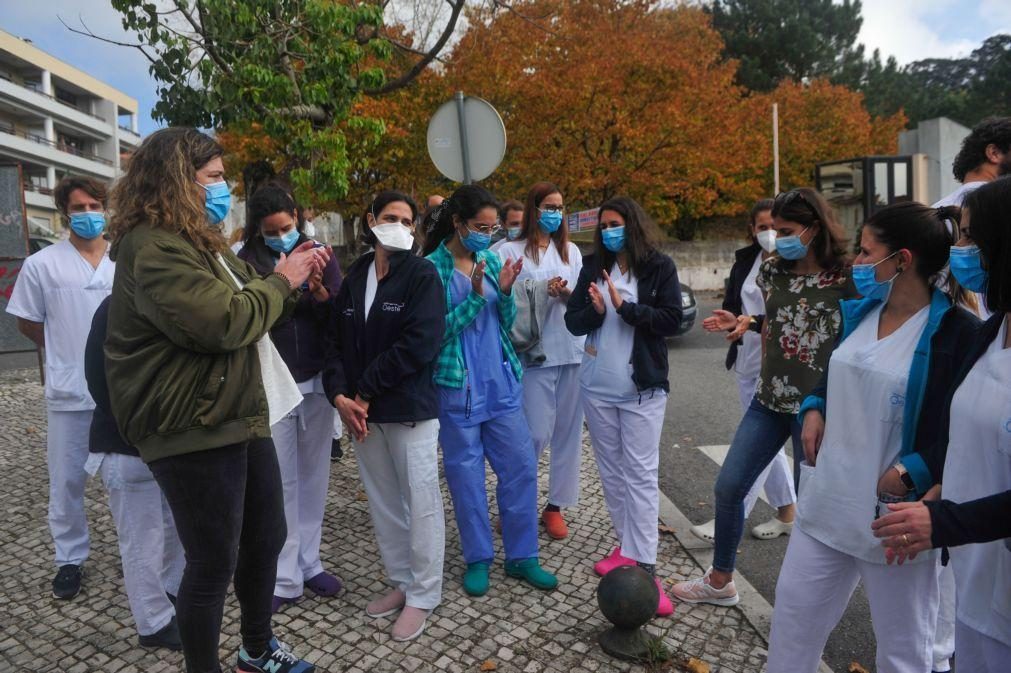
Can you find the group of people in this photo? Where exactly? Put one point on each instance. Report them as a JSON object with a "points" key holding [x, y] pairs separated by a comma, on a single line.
{"points": [[207, 389]]}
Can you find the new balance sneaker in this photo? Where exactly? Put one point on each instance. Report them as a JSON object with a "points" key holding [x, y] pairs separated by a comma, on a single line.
{"points": [[277, 659], [699, 590], [67, 582], [772, 529], [168, 637]]}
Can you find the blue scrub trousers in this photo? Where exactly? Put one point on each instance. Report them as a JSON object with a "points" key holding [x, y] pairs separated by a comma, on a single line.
{"points": [[505, 441]]}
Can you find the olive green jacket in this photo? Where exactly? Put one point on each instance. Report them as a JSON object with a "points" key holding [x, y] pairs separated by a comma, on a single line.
{"points": [[180, 355]]}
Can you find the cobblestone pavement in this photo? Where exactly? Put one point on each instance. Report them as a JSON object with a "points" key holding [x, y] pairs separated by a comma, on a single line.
{"points": [[513, 627]]}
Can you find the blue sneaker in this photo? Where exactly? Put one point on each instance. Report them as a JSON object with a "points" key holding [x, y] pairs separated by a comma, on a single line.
{"points": [[277, 659]]}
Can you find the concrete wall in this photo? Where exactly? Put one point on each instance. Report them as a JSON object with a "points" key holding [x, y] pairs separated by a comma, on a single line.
{"points": [[702, 265], [940, 139]]}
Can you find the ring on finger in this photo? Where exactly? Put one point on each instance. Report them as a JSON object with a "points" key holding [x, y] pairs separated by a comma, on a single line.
{"points": [[905, 539]]}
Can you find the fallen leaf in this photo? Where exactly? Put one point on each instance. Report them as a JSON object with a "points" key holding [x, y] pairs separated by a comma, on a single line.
{"points": [[30, 430], [702, 503], [664, 528], [489, 665], [361, 497], [856, 668], [696, 666]]}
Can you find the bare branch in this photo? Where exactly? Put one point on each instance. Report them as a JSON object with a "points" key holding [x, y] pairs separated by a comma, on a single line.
{"points": [[198, 27], [410, 50], [88, 33], [533, 22], [313, 113], [425, 60]]}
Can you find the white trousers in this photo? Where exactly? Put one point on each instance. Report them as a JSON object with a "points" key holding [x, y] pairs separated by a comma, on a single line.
{"points": [[66, 453], [813, 590], [978, 652], [555, 416], [399, 466], [626, 444], [776, 478], [149, 546], [944, 630], [302, 441]]}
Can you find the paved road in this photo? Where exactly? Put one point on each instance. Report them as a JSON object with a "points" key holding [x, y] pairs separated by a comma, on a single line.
{"points": [[704, 410]]}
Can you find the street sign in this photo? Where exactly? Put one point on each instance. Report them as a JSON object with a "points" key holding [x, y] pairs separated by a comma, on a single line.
{"points": [[466, 139]]}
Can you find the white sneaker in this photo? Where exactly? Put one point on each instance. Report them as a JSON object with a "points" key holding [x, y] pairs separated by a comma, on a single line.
{"points": [[772, 529], [700, 591], [705, 531]]}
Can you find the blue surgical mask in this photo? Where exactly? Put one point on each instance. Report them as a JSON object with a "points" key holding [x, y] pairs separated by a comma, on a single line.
{"points": [[476, 241], [791, 247], [550, 220], [283, 243], [88, 225], [512, 233], [867, 283], [218, 201], [967, 269], [613, 238]]}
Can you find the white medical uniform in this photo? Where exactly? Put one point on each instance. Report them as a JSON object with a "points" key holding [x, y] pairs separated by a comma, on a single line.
{"points": [[777, 477], [59, 288], [551, 389], [978, 464], [624, 427], [832, 547]]}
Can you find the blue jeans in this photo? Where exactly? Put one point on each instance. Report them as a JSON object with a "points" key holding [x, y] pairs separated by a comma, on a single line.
{"points": [[759, 436]]}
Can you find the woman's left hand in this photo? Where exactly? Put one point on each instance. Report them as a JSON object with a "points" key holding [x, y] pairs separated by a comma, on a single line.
{"points": [[317, 288], [507, 276], [906, 530], [890, 482], [616, 300]]}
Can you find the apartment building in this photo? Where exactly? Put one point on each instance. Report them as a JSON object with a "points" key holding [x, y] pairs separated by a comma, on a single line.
{"points": [[55, 120]]}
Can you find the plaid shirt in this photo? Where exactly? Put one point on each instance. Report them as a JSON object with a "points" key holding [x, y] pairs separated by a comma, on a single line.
{"points": [[450, 369]]}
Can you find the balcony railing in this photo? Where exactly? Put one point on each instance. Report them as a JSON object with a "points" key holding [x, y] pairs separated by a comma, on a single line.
{"points": [[62, 147], [29, 187], [128, 129], [50, 97]]}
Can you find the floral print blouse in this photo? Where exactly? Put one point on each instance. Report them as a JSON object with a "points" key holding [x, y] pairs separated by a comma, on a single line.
{"points": [[802, 320]]}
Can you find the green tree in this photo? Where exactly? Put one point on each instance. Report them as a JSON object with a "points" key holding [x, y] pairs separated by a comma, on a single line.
{"points": [[777, 40], [294, 67]]}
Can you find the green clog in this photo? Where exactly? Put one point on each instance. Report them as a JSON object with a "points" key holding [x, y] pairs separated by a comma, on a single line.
{"points": [[530, 570], [475, 579]]}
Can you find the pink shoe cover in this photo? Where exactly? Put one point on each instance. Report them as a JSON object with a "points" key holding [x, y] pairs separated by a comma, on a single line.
{"points": [[615, 560]]}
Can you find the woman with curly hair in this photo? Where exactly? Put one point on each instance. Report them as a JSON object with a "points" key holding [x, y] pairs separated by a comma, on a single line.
{"points": [[195, 383]]}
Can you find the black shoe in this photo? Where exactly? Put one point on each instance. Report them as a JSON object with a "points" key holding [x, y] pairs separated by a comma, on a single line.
{"points": [[168, 638], [67, 582], [336, 452]]}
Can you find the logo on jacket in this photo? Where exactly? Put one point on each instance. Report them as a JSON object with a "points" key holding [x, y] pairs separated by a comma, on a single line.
{"points": [[349, 312], [392, 307], [897, 399]]}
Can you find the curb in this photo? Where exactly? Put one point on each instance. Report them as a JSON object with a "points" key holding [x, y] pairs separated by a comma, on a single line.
{"points": [[757, 611]]}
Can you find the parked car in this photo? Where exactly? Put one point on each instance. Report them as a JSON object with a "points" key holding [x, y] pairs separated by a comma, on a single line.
{"points": [[689, 309], [36, 243]]}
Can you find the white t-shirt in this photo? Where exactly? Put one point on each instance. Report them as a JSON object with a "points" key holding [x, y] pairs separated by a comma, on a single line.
{"points": [[748, 364], [58, 287], [606, 371], [978, 464], [560, 346], [371, 285], [863, 436]]}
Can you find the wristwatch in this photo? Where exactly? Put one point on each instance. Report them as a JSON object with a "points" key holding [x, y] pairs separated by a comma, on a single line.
{"points": [[904, 476]]}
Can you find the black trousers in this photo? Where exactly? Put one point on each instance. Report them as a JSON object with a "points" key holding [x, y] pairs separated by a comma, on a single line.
{"points": [[229, 510]]}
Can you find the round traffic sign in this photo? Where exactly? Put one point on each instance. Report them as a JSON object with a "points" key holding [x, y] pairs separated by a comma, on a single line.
{"points": [[466, 139]]}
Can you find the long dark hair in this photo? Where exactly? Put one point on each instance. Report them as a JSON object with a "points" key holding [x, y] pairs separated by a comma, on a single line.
{"points": [[640, 235], [918, 228], [269, 199], [535, 197], [465, 203], [989, 217], [382, 200], [807, 208]]}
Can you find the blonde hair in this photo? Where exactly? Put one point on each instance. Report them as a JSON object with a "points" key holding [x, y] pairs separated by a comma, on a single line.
{"points": [[159, 188]]}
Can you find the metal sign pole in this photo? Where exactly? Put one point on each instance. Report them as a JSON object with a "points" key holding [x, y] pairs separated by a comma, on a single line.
{"points": [[775, 148], [464, 149]]}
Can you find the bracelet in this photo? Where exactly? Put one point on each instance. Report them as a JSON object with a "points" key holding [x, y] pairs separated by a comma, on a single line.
{"points": [[285, 279]]}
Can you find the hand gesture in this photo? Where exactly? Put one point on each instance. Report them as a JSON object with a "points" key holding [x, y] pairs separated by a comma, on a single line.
{"points": [[743, 325], [811, 435], [906, 529], [507, 276], [354, 416], [317, 288], [891, 482], [302, 263], [558, 288], [720, 321], [596, 299], [477, 279], [616, 300]]}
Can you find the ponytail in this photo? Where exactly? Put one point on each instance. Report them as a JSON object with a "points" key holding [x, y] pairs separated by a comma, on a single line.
{"points": [[465, 203]]}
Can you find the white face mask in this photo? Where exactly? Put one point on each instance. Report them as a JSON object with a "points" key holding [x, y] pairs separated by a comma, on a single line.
{"points": [[393, 236], [767, 239]]}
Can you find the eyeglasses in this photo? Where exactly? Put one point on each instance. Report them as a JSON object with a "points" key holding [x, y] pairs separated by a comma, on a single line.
{"points": [[552, 208], [489, 229], [784, 199]]}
